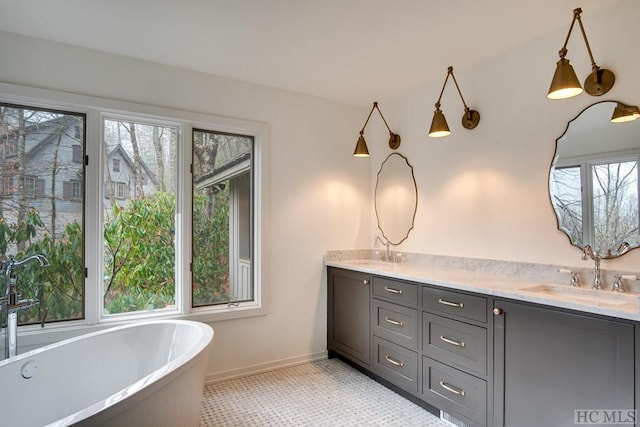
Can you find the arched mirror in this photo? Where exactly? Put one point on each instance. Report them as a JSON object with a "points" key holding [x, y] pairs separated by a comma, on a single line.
{"points": [[593, 181], [396, 198]]}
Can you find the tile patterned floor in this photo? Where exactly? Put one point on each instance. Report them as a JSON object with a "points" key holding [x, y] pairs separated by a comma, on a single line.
{"points": [[322, 393]]}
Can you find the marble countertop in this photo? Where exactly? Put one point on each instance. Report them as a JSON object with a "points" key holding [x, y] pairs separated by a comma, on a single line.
{"points": [[624, 305]]}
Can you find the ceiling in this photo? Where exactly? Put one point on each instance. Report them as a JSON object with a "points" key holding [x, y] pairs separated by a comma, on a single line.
{"points": [[354, 51]]}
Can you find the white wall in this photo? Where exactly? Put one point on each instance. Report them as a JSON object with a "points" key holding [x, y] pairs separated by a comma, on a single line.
{"points": [[483, 192], [318, 196]]}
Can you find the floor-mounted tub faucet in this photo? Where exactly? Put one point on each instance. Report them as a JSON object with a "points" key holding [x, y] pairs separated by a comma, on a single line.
{"points": [[10, 305]]}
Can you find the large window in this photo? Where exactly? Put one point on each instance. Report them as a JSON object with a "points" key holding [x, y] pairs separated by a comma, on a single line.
{"points": [[222, 218], [39, 148], [139, 211]]}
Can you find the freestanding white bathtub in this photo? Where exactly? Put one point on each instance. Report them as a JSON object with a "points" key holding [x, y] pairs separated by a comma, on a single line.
{"points": [[143, 374]]}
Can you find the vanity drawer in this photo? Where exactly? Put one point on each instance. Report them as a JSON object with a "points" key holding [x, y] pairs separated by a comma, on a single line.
{"points": [[454, 391], [400, 292], [396, 364], [455, 303], [458, 343], [395, 323]]}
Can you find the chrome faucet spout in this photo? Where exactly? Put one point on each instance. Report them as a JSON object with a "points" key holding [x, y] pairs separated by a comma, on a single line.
{"points": [[42, 260]]}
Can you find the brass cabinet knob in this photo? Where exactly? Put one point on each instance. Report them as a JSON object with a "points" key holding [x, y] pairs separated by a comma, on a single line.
{"points": [[365, 282], [497, 311]]}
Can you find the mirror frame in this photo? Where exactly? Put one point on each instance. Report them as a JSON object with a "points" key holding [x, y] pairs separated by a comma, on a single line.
{"points": [[609, 255], [415, 207]]}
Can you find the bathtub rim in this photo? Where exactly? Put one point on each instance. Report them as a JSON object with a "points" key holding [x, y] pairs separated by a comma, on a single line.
{"points": [[149, 383]]}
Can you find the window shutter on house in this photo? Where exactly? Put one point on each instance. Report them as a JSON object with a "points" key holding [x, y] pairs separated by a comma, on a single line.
{"points": [[39, 187], [67, 190]]}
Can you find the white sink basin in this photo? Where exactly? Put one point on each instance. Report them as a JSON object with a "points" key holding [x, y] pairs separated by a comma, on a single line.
{"points": [[587, 296]]}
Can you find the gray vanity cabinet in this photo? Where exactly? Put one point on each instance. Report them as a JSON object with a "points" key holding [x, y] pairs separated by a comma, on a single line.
{"points": [[524, 365], [348, 316], [549, 363]]}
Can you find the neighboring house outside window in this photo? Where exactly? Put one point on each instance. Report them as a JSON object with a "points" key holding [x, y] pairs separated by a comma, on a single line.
{"points": [[116, 165]]}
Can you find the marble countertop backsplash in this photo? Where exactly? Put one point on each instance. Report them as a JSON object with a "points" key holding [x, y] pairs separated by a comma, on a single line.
{"points": [[539, 283]]}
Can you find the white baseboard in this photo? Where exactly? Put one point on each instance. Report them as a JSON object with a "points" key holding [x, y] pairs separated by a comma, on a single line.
{"points": [[265, 367]]}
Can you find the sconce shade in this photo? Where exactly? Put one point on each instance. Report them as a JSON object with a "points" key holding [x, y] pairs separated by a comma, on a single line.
{"points": [[565, 83], [439, 126], [625, 113], [361, 148]]}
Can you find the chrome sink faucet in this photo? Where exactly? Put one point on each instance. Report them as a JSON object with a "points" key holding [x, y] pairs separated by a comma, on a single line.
{"points": [[588, 251], [387, 245], [10, 305]]}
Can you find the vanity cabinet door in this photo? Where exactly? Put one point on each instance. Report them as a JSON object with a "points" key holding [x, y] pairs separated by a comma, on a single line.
{"points": [[348, 317], [550, 363]]}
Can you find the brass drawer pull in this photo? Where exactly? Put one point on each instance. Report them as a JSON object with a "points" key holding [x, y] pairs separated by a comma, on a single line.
{"points": [[451, 304], [452, 389], [393, 291], [394, 322], [452, 342], [394, 361]]}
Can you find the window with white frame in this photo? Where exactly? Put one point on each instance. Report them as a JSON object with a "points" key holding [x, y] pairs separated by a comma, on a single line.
{"points": [[148, 262], [139, 230], [222, 218]]}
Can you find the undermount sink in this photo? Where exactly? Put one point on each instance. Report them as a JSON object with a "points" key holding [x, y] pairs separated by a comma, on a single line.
{"points": [[587, 296], [371, 263]]}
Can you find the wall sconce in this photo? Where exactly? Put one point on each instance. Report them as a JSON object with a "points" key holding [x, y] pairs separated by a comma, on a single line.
{"points": [[625, 113], [361, 146], [439, 126], [565, 83]]}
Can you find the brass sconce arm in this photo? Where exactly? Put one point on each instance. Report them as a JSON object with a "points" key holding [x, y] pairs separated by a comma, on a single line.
{"points": [[563, 52], [361, 146]]}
